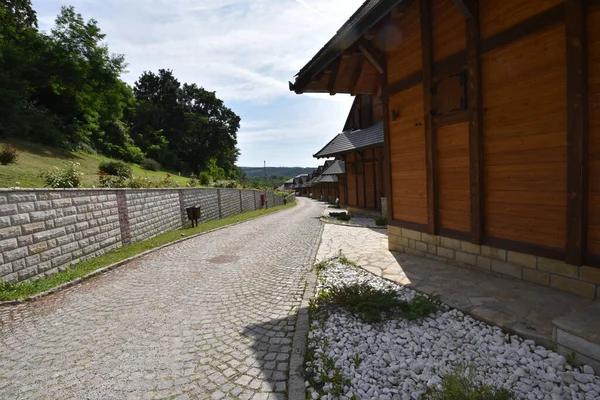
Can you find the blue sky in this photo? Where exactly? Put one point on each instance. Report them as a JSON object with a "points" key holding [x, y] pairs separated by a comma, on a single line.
{"points": [[245, 50]]}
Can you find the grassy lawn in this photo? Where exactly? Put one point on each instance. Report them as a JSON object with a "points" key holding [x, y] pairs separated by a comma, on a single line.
{"points": [[35, 158], [10, 291]]}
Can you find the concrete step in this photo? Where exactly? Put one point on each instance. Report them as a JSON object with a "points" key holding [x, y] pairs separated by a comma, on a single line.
{"points": [[579, 333]]}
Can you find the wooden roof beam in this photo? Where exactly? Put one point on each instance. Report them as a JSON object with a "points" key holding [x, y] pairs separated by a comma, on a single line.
{"points": [[356, 78], [464, 8], [333, 76], [372, 55]]}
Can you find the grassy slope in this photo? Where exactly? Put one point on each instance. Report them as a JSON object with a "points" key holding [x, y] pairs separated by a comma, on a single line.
{"points": [[35, 158]]}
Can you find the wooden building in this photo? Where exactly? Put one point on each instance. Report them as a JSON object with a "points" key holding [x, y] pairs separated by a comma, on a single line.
{"points": [[361, 147], [491, 115]]}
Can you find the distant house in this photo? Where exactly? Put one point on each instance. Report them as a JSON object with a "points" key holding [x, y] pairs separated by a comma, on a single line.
{"points": [[491, 126], [361, 147]]}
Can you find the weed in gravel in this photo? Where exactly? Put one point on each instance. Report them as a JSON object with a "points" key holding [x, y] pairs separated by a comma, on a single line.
{"points": [[322, 266], [344, 260], [370, 303], [463, 385], [381, 221]]}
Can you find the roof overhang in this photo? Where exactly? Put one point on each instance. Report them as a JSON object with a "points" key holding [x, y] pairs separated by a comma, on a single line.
{"points": [[351, 62]]}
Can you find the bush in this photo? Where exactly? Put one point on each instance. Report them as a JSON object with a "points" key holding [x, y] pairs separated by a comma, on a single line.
{"points": [[229, 184], [116, 168], [69, 177], [204, 178], [8, 155], [150, 164], [381, 221]]}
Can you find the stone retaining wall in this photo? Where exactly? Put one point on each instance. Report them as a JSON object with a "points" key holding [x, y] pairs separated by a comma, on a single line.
{"points": [[583, 281], [44, 231]]}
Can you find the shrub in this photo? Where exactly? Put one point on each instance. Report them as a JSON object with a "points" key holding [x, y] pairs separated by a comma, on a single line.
{"points": [[381, 221], [68, 177], [193, 182], [150, 164], [8, 155], [167, 182], [116, 168], [230, 184], [370, 303], [204, 178]]}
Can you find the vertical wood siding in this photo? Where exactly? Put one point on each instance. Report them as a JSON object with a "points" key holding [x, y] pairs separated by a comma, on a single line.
{"points": [[594, 129], [449, 35], [524, 99], [452, 177], [406, 59], [350, 180], [407, 149]]}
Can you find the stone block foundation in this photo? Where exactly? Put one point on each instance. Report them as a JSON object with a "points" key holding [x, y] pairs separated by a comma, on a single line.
{"points": [[580, 280]]}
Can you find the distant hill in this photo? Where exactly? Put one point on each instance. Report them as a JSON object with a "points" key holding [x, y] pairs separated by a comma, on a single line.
{"points": [[259, 172]]}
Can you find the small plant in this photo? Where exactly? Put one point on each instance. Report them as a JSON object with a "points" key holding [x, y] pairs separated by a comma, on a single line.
{"points": [[167, 182], [116, 168], [193, 182], [356, 360], [344, 260], [340, 216], [463, 385], [204, 178], [571, 358], [381, 221], [68, 177], [150, 164], [370, 303], [322, 266], [8, 155]]}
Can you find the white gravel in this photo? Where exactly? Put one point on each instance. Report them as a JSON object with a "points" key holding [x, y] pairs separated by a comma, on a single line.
{"points": [[399, 358]]}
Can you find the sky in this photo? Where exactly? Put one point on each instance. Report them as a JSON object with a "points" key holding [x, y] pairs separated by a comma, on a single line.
{"points": [[244, 50]]}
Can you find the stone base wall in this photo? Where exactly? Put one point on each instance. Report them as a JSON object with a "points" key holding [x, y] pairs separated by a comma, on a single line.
{"points": [[45, 231], [581, 280]]}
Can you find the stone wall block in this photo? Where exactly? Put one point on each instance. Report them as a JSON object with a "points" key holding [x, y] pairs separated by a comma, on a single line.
{"points": [[590, 274], [21, 197], [558, 267], [27, 273], [573, 286], [8, 209], [484, 263], [39, 216], [33, 228], [450, 243], [9, 244], [25, 207], [20, 219], [4, 222], [10, 232], [421, 247], [466, 258], [430, 239], [12, 255], [48, 234], [445, 252], [43, 205], [414, 235], [525, 260], [50, 254], [512, 270], [492, 252], [535, 276], [468, 247], [25, 240]]}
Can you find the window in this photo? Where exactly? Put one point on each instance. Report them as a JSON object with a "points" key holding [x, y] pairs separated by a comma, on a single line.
{"points": [[449, 94]]}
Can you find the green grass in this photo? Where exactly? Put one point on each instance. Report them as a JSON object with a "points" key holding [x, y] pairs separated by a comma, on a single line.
{"points": [[35, 158], [463, 385], [12, 291]]}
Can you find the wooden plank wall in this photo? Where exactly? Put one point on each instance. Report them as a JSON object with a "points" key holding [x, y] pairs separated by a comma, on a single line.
{"points": [[497, 16], [524, 145], [406, 59], [350, 180], [453, 177], [407, 157], [449, 35], [593, 25], [360, 183], [342, 189]]}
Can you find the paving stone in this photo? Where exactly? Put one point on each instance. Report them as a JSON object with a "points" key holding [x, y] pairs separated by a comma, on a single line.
{"points": [[195, 319]]}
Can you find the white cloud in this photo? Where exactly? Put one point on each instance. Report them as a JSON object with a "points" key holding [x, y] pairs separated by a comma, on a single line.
{"points": [[245, 50]]}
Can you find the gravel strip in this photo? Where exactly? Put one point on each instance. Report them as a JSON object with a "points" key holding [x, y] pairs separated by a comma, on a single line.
{"points": [[399, 359]]}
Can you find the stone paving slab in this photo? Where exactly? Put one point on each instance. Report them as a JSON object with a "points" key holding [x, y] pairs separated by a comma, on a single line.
{"points": [[521, 307], [209, 318]]}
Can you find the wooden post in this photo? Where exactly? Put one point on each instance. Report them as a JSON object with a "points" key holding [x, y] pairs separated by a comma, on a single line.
{"points": [[387, 164], [374, 179], [364, 176], [219, 201], [577, 131], [427, 51], [474, 95]]}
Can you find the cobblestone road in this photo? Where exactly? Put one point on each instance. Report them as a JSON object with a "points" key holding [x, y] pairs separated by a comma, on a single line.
{"points": [[209, 318]]}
